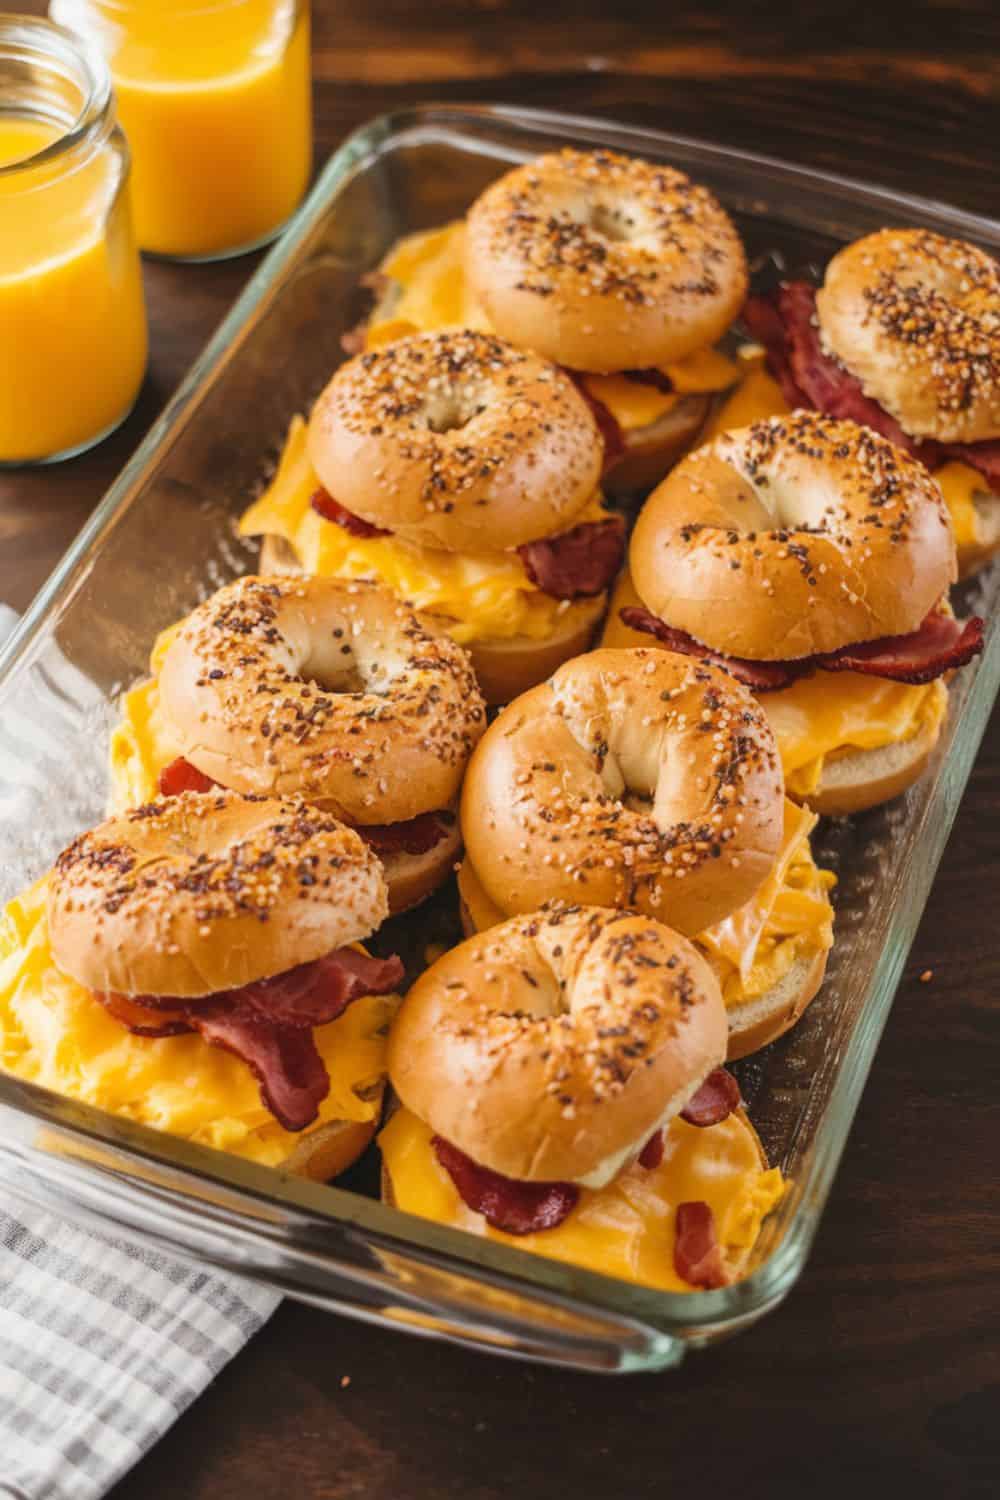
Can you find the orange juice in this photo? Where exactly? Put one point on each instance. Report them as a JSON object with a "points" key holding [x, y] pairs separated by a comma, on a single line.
{"points": [[215, 103], [72, 318]]}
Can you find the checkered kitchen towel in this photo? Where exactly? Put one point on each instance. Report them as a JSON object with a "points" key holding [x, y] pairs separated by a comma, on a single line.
{"points": [[102, 1345]]}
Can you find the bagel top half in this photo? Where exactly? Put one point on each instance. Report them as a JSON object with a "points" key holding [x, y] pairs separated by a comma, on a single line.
{"points": [[604, 262], [792, 537], [915, 317], [457, 440]]}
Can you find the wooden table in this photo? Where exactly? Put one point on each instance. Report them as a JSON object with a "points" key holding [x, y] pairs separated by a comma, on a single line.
{"points": [[882, 1371]]}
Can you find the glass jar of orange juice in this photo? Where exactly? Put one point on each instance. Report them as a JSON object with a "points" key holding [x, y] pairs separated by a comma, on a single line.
{"points": [[72, 317], [214, 97]]}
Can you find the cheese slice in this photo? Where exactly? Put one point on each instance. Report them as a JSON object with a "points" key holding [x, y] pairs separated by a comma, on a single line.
{"points": [[428, 291], [487, 595], [821, 717], [54, 1032], [789, 916], [758, 395], [960, 484], [627, 1228]]}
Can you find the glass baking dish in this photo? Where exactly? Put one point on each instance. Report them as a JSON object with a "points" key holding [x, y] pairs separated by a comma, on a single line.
{"points": [[164, 537]]}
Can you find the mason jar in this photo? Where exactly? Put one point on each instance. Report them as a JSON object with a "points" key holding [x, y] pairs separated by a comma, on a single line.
{"points": [[215, 98], [72, 316]]}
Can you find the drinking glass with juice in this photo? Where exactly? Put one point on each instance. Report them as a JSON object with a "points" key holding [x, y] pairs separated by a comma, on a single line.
{"points": [[72, 316], [215, 99]]}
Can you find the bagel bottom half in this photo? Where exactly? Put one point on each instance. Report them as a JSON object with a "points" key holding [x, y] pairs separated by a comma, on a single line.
{"points": [[769, 957], [504, 668], [651, 451], [847, 742], [55, 1033], [625, 1229]]}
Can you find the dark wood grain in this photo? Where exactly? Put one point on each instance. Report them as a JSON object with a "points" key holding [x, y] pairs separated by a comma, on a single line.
{"points": [[882, 1372]]}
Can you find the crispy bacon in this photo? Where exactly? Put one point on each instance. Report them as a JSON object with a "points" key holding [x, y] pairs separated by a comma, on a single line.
{"points": [[578, 563], [614, 438], [939, 645], [761, 676], [651, 1154], [715, 1101], [331, 510], [512, 1206], [697, 1252], [182, 776], [414, 836], [144, 1020], [785, 323], [269, 1023]]}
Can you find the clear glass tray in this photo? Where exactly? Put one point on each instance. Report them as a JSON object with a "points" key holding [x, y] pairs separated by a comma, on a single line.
{"points": [[163, 538]]}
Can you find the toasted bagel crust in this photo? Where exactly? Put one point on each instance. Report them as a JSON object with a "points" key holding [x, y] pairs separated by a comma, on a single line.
{"points": [[604, 262], [447, 439], [815, 533], [549, 1045], [632, 778], [916, 318], [204, 892]]}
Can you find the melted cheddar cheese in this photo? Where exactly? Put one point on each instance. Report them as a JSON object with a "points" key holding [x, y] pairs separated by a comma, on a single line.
{"points": [[53, 1032], [822, 717], [960, 485], [789, 917], [428, 291], [142, 744], [627, 1228], [488, 595]]}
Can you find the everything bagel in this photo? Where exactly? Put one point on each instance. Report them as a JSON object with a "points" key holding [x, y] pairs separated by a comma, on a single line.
{"points": [[815, 533], [550, 1047], [631, 778], [197, 894], [604, 262], [456, 440], [916, 318]]}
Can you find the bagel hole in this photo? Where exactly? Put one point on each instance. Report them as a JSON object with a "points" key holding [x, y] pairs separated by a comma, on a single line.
{"points": [[450, 414], [611, 223]]}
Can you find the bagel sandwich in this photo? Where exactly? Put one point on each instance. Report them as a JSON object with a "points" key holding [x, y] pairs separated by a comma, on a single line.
{"points": [[623, 271], [903, 336], [769, 955], [196, 965], [322, 688], [560, 1090], [464, 475], [812, 559]]}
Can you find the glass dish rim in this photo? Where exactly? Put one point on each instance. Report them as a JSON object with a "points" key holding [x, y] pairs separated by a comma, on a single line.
{"points": [[775, 1275]]}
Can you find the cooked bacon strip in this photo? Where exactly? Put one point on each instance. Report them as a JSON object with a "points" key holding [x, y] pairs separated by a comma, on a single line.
{"points": [[578, 563], [284, 1059], [316, 993], [614, 438], [414, 836], [143, 1020], [331, 510], [939, 645], [651, 1154], [182, 776], [514, 1207], [762, 676], [785, 323], [697, 1252], [269, 1024], [715, 1101]]}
